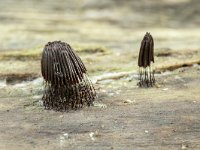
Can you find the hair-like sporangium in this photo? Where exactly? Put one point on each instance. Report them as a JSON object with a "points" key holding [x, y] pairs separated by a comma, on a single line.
{"points": [[145, 60], [67, 85]]}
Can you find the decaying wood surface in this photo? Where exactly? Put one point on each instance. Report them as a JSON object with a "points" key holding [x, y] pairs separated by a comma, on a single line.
{"points": [[124, 117]]}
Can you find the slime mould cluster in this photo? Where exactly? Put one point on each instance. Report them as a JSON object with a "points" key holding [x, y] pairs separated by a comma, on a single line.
{"points": [[67, 85], [145, 60]]}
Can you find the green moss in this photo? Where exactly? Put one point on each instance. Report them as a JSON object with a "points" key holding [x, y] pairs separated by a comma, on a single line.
{"points": [[21, 54], [35, 54], [91, 49]]}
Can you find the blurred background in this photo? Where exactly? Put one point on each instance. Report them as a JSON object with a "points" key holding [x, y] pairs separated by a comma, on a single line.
{"points": [[116, 24]]}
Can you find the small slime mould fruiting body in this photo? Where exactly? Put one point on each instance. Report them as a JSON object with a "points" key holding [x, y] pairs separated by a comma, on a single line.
{"points": [[67, 85], [145, 60]]}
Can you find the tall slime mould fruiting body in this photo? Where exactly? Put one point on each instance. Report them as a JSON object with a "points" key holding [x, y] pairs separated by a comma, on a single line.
{"points": [[145, 60], [67, 85]]}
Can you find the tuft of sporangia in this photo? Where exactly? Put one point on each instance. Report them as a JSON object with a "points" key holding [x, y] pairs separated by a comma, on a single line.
{"points": [[145, 61], [67, 85]]}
